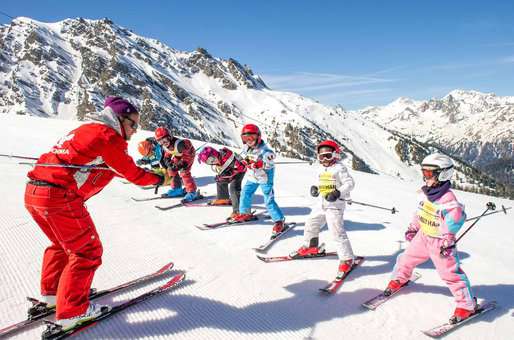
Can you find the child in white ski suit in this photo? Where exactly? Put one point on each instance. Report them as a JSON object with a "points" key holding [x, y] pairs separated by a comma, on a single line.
{"points": [[334, 185]]}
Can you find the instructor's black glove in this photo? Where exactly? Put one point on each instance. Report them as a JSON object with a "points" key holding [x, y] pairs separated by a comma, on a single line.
{"points": [[333, 196], [314, 191]]}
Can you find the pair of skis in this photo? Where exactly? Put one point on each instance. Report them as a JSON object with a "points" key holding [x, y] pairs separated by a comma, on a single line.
{"points": [[375, 302], [332, 286], [437, 331], [264, 246], [43, 313]]}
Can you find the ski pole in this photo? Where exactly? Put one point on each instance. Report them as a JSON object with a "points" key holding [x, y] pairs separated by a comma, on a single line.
{"points": [[73, 166], [201, 146], [490, 206], [18, 157], [503, 210], [392, 210]]}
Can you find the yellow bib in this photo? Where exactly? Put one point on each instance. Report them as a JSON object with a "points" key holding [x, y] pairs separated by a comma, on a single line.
{"points": [[327, 183], [429, 220]]}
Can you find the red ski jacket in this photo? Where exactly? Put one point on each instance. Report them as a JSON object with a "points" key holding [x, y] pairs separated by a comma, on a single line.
{"points": [[98, 144]]}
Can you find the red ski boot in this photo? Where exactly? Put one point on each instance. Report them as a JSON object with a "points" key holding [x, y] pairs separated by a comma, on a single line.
{"points": [[277, 228], [392, 287]]}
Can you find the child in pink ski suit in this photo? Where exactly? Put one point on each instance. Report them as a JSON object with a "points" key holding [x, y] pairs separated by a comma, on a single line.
{"points": [[432, 236]]}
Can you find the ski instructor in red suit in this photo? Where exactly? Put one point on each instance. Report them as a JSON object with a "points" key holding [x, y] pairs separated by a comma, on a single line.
{"points": [[55, 197]]}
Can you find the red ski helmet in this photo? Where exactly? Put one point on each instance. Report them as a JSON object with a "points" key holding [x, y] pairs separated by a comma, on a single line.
{"points": [[145, 147], [162, 132], [329, 143], [251, 129], [330, 157]]}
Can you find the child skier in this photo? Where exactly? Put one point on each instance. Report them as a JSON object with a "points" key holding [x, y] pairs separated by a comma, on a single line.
{"points": [[153, 155], [334, 184], [229, 174], [151, 151], [259, 161], [179, 156], [439, 217]]}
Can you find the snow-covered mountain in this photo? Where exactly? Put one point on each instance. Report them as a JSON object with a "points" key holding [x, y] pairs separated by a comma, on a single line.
{"points": [[476, 127], [65, 69]]}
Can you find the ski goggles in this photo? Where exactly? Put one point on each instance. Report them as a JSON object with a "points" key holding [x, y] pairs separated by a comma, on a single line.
{"points": [[326, 156], [430, 173], [249, 137], [133, 124]]}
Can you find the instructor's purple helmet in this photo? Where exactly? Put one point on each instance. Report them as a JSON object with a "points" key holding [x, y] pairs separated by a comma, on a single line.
{"points": [[121, 107]]}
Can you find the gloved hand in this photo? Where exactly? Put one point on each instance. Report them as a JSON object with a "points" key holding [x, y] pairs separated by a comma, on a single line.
{"points": [[314, 191], [333, 196], [409, 234], [259, 164], [164, 179], [448, 245], [159, 171]]}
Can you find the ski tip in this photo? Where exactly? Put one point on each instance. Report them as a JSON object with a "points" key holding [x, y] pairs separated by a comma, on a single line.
{"points": [[262, 258], [165, 268], [174, 280]]}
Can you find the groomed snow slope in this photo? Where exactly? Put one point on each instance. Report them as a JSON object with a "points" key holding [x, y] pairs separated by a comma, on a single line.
{"points": [[229, 294]]}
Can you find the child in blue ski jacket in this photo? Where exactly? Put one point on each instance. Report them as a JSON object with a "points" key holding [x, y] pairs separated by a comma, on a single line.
{"points": [[259, 160]]}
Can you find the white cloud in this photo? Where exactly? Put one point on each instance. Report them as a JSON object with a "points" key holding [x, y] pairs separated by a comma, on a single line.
{"points": [[310, 82]]}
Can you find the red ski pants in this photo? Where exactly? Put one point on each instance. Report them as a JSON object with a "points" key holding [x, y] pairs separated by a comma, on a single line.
{"points": [[185, 175], [69, 264]]}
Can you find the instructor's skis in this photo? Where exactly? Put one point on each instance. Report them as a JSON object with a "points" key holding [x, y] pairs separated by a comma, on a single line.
{"points": [[44, 312], [273, 239], [378, 300], [447, 327], [333, 286], [55, 331]]}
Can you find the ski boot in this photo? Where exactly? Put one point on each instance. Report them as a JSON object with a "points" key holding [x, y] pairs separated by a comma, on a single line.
{"points": [[305, 251], [192, 196], [461, 314], [92, 312], [221, 201], [393, 286], [344, 267], [176, 192], [239, 218], [278, 227]]}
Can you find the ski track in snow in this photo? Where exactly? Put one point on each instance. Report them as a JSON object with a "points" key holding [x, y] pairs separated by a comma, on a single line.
{"points": [[228, 293]]}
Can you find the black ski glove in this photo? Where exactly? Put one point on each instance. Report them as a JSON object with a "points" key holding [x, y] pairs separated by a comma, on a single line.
{"points": [[333, 196], [314, 191]]}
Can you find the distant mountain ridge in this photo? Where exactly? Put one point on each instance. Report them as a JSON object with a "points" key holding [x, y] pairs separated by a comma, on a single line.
{"points": [[476, 127], [65, 69]]}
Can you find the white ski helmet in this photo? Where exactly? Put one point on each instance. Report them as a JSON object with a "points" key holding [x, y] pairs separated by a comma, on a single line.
{"points": [[440, 163]]}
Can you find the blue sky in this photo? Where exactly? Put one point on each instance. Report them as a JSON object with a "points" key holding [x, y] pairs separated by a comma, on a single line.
{"points": [[353, 53]]}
